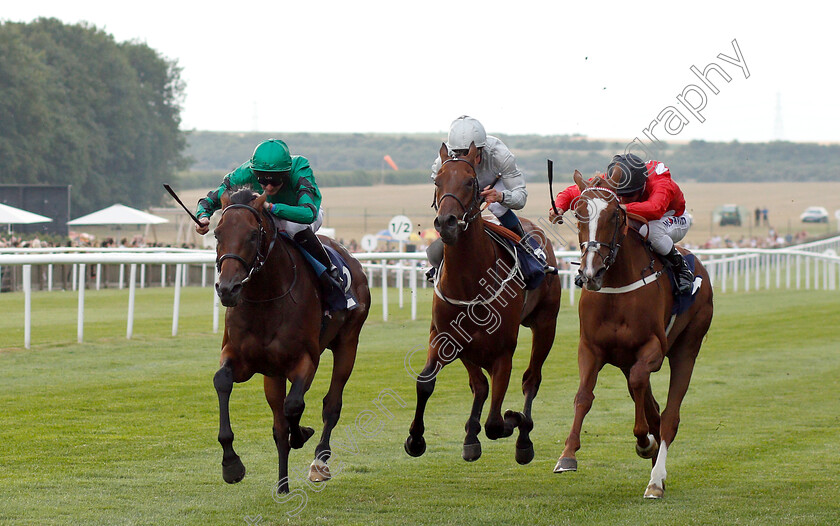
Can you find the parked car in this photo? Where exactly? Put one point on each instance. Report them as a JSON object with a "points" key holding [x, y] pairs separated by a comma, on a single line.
{"points": [[729, 215], [814, 214]]}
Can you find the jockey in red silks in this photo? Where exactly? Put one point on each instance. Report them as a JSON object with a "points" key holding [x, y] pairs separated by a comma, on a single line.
{"points": [[647, 190]]}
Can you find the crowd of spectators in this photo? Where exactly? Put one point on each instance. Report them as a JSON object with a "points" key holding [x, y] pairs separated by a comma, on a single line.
{"points": [[78, 239]]}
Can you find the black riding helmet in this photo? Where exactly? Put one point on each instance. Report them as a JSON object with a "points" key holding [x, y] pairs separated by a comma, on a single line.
{"points": [[633, 173]]}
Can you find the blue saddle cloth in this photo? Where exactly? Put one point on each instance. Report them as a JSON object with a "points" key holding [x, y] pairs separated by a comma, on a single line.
{"points": [[533, 272], [683, 302], [335, 299]]}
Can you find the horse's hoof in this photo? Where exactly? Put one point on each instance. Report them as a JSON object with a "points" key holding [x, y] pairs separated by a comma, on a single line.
{"points": [[654, 492], [650, 451], [233, 471], [472, 452], [305, 433], [524, 455], [319, 471], [565, 464], [415, 446]]}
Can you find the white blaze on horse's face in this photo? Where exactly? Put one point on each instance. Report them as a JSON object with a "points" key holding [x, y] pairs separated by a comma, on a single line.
{"points": [[595, 207]]}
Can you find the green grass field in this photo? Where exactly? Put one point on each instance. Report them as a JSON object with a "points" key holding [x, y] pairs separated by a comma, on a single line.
{"points": [[124, 432]]}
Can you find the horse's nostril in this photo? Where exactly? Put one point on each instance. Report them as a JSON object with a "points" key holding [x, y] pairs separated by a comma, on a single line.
{"points": [[450, 222]]}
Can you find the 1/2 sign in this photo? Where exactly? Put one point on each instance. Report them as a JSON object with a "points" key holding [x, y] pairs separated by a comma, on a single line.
{"points": [[400, 227]]}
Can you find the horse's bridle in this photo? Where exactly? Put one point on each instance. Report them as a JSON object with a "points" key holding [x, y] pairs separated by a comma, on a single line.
{"points": [[259, 257], [620, 219], [466, 219]]}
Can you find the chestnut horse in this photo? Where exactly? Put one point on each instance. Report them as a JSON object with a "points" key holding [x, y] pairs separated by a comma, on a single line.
{"points": [[477, 312], [273, 326], [625, 320]]}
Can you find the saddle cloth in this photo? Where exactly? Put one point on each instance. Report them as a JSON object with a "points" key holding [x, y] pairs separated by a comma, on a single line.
{"points": [[532, 268], [338, 298], [682, 302]]}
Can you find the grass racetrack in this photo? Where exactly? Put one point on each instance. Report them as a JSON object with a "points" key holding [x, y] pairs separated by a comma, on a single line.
{"points": [[114, 431]]}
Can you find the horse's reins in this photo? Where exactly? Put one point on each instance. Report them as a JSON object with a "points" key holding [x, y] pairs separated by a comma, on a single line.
{"points": [[259, 257]]}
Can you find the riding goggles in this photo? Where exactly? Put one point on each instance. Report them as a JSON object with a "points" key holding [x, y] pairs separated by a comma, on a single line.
{"points": [[272, 178]]}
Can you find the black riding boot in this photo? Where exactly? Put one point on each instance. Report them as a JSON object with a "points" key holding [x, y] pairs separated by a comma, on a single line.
{"points": [[306, 238], [685, 278]]}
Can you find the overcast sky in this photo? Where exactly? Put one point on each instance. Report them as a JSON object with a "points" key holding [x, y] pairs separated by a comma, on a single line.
{"points": [[602, 69]]}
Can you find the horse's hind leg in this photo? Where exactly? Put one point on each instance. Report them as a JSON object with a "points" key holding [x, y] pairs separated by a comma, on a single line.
{"points": [[496, 427], [653, 421], [301, 378], [681, 359], [480, 389], [344, 356], [648, 359], [275, 394], [232, 468], [543, 339]]}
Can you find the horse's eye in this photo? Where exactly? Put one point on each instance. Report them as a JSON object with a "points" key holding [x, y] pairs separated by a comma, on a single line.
{"points": [[470, 182], [254, 235]]}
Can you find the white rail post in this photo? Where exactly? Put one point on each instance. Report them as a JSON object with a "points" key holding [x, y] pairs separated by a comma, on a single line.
{"points": [[122, 276], [98, 275], [412, 280], [384, 290], [132, 276], [80, 324], [49, 277], [203, 276], [142, 275], [27, 306], [215, 302], [163, 275], [400, 264], [177, 303], [74, 280]]}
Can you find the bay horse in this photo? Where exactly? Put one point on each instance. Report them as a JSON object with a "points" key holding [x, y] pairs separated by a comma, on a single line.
{"points": [[273, 326], [477, 311], [626, 320]]}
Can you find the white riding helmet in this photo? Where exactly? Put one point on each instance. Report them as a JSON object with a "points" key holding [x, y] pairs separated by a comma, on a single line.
{"points": [[463, 131]]}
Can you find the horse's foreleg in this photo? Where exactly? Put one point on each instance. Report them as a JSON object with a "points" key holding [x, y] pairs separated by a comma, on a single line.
{"points": [[588, 368], [638, 381], [415, 444], [480, 389], [497, 427], [275, 394], [232, 468], [344, 356], [301, 377]]}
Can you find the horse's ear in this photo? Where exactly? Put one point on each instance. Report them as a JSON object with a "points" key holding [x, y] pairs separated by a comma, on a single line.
{"points": [[473, 153], [615, 177], [259, 201], [444, 152], [579, 180]]}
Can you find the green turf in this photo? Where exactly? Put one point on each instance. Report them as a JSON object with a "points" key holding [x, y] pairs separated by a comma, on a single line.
{"points": [[117, 431]]}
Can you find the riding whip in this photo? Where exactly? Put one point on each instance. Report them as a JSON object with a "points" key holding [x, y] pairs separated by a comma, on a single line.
{"points": [[550, 166], [174, 195]]}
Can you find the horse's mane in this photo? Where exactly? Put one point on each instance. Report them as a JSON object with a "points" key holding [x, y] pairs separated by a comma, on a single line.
{"points": [[241, 195]]}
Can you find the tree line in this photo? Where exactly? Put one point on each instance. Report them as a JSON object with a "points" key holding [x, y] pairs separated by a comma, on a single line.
{"points": [[356, 159], [79, 108]]}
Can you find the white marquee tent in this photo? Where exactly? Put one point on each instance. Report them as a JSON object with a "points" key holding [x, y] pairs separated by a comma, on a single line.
{"points": [[118, 215]]}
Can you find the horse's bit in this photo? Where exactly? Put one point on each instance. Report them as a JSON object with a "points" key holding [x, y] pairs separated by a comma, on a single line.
{"points": [[259, 257]]}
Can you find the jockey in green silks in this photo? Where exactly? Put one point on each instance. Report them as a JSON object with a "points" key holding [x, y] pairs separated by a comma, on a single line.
{"points": [[293, 198]]}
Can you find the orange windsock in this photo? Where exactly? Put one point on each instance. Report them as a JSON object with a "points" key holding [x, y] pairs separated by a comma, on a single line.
{"points": [[391, 162]]}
